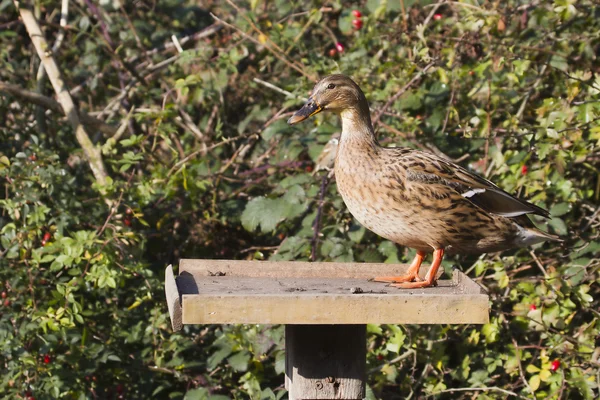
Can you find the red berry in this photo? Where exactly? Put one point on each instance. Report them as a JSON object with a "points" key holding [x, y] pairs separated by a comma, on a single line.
{"points": [[357, 13], [32, 157], [471, 73], [47, 359], [379, 357], [309, 168], [6, 303], [44, 243], [47, 236], [524, 169], [555, 365], [437, 17], [357, 23], [533, 307], [339, 47], [332, 52], [119, 388], [4, 295], [127, 221]]}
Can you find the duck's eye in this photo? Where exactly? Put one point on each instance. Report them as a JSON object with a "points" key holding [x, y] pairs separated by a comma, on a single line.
{"points": [[330, 86]]}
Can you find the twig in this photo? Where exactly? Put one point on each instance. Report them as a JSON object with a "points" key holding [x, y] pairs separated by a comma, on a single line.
{"points": [[121, 130], [41, 74], [448, 110], [432, 12], [404, 16], [530, 92], [401, 357], [255, 248], [253, 25], [91, 152], [520, 366], [539, 264], [476, 389], [496, 42], [53, 105], [214, 146], [169, 44], [317, 223], [274, 52], [591, 219], [189, 123], [114, 208], [287, 94], [486, 147], [401, 91], [302, 32]]}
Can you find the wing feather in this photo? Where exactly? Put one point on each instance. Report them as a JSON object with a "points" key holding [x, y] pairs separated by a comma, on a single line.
{"points": [[430, 169]]}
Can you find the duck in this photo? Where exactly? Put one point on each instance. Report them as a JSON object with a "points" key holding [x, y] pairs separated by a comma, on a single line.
{"points": [[414, 198]]}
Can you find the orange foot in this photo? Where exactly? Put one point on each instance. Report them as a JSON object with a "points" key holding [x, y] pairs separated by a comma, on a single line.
{"points": [[438, 255], [411, 275]]}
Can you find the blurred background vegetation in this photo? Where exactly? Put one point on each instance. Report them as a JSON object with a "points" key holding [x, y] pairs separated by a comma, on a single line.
{"points": [[186, 106]]}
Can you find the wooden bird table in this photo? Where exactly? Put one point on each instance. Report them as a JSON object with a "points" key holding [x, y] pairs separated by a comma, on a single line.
{"points": [[325, 308]]}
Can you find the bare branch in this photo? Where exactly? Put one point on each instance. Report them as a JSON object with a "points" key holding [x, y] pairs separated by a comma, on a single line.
{"points": [[402, 91], [51, 104], [92, 153]]}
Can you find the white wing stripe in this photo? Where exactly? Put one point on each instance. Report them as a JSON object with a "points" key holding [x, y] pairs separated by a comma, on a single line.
{"points": [[472, 192]]}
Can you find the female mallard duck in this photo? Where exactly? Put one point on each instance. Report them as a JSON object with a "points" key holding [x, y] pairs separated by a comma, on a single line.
{"points": [[413, 198]]}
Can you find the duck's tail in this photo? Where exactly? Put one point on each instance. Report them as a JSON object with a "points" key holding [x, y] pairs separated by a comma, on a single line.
{"points": [[529, 234]]}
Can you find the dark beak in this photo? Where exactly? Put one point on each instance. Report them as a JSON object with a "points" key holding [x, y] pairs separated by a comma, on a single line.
{"points": [[308, 110]]}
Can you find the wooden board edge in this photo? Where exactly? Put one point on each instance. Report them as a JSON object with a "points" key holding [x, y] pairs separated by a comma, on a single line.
{"points": [[462, 280], [173, 299], [331, 309]]}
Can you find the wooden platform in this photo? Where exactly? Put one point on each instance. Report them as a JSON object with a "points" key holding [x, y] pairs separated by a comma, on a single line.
{"points": [[255, 292]]}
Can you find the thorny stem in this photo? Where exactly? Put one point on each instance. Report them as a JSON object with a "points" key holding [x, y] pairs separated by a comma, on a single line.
{"points": [[317, 223]]}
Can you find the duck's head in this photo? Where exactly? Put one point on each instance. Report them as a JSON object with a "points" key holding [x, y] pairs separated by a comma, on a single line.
{"points": [[336, 93]]}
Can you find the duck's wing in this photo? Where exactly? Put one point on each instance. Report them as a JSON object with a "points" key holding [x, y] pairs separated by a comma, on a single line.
{"points": [[445, 177]]}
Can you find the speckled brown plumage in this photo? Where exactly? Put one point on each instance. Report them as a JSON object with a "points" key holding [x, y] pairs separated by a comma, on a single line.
{"points": [[413, 198]]}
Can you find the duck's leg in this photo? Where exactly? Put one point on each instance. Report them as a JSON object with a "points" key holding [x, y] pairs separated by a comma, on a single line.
{"points": [[438, 255], [411, 275]]}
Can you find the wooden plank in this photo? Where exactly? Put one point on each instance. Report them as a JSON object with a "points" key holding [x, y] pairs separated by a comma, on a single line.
{"points": [[228, 299], [232, 292], [173, 299], [325, 361], [335, 309], [292, 269]]}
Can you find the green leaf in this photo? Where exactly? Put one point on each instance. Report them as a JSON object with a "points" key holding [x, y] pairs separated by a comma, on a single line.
{"points": [[264, 212], [560, 209], [239, 361], [197, 394], [559, 62], [559, 226], [534, 382]]}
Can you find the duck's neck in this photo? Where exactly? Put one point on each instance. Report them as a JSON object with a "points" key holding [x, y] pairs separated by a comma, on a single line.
{"points": [[357, 129]]}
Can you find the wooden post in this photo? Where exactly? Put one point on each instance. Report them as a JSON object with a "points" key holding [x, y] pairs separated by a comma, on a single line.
{"points": [[325, 361]]}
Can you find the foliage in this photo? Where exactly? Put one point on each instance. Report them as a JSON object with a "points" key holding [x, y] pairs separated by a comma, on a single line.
{"points": [[206, 167]]}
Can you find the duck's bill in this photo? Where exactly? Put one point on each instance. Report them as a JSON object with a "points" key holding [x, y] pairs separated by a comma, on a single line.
{"points": [[308, 110]]}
